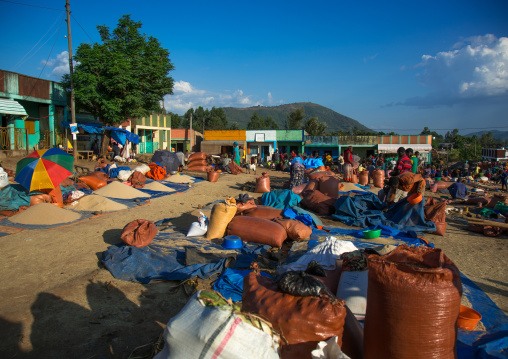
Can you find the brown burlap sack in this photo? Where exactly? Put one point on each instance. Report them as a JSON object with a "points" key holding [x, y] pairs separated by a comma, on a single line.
{"points": [[295, 229], [199, 168], [222, 214], [436, 212], [488, 231], [139, 233], [257, 230], [263, 183], [299, 189], [413, 305], [476, 200], [442, 185], [100, 174], [198, 156], [197, 162], [40, 198], [497, 198], [378, 178], [311, 186], [213, 176], [235, 169], [303, 321], [244, 206], [329, 185], [319, 202], [411, 183], [137, 179], [265, 212], [93, 182], [67, 182]]}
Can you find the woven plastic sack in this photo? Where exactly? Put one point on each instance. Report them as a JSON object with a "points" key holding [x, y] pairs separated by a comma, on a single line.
{"points": [[413, 304], [497, 198], [93, 182], [137, 179], [412, 183], [353, 289], [222, 214], [196, 163], [257, 230], [436, 212], [200, 168], [265, 212], [198, 156], [318, 174], [142, 168], [378, 178], [319, 202], [213, 176], [299, 189], [40, 198], [4, 178], [295, 229], [210, 328], [311, 186], [245, 206], [303, 321], [330, 186], [156, 172], [139, 233], [263, 183], [363, 178], [124, 175]]}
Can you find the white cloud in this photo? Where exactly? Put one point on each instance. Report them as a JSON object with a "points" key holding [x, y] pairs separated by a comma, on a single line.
{"points": [[475, 68], [186, 96], [58, 66]]}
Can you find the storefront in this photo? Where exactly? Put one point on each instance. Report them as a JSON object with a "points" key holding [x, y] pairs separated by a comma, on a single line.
{"points": [[261, 143]]}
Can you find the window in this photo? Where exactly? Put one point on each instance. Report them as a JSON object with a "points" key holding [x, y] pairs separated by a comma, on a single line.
{"points": [[30, 127], [260, 137]]}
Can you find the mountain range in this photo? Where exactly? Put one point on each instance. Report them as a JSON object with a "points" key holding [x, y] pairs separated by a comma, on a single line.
{"points": [[334, 120], [502, 135]]}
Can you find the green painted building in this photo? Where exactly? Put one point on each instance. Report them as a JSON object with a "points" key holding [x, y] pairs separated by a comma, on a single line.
{"points": [[154, 132], [290, 140]]}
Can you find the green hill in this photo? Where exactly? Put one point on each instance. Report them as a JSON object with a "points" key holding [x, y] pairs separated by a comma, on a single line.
{"points": [[334, 120]]}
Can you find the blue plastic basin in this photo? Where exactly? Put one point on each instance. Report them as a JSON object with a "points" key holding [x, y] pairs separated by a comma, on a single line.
{"points": [[232, 242]]}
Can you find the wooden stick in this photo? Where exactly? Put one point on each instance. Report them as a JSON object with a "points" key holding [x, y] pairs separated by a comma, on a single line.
{"points": [[488, 223]]}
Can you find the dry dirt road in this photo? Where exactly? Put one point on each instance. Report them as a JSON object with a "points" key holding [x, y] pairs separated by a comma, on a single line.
{"points": [[56, 300]]}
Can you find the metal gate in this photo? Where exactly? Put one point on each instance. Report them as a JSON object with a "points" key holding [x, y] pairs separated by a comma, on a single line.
{"points": [[12, 138]]}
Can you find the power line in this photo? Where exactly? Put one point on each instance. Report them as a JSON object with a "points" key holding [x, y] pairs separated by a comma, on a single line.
{"points": [[82, 28], [41, 7], [46, 62]]}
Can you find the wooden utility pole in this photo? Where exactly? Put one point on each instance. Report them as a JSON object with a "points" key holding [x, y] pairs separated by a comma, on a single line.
{"points": [[190, 134], [71, 70]]}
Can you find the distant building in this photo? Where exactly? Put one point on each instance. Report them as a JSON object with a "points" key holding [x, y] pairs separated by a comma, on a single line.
{"points": [[494, 153], [388, 145]]}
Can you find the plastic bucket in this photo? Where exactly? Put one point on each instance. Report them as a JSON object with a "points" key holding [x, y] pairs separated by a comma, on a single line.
{"points": [[415, 198], [468, 318]]}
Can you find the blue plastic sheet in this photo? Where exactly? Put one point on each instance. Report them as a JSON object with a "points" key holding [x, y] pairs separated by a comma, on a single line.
{"points": [[302, 212], [313, 162], [291, 214], [280, 198], [164, 258], [230, 283], [366, 210], [12, 197]]}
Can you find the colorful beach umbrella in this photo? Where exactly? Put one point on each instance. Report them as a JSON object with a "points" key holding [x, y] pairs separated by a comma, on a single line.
{"points": [[44, 169]]}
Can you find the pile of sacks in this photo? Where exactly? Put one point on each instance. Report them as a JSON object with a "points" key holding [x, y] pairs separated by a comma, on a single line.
{"points": [[254, 223], [198, 162], [134, 177], [313, 311]]}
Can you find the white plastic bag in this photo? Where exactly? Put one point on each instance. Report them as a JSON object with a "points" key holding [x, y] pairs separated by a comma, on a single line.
{"points": [[124, 175], [198, 228], [199, 331], [353, 289], [328, 349], [144, 169], [4, 178]]}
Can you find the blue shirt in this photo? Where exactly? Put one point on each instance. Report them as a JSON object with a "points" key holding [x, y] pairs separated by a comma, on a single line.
{"points": [[458, 190], [236, 152]]}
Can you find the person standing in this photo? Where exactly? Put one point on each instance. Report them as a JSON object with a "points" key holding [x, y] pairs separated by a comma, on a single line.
{"points": [[236, 153], [242, 155], [504, 181], [403, 164], [348, 164], [414, 160]]}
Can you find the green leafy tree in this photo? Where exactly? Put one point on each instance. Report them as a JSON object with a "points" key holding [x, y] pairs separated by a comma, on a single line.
{"points": [[217, 120], [294, 120], [314, 127], [263, 123], [234, 126], [124, 76], [176, 120]]}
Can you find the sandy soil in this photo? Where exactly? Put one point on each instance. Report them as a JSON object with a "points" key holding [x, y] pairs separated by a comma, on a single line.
{"points": [[57, 301]]}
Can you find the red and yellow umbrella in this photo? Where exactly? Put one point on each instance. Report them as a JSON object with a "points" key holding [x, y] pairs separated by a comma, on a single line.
{"points": [[44, 169]]}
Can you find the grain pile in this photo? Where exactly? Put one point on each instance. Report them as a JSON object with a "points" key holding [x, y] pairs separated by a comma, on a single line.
{"points": [[180, 178], [45, 213], [98, 203], [157, 186], [119, 190], [348, 186]]}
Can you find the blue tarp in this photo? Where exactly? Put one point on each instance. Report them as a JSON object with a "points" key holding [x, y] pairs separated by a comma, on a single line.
{"points": [[87, 127], [120, 135], [304, 218], [302, 212], [313, 162], [280, 198], [230, 283], [366, 210], [12, 197], [164, 258]]}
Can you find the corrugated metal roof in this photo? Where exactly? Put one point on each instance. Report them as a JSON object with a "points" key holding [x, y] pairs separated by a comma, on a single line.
{"points": [[11, 107]]}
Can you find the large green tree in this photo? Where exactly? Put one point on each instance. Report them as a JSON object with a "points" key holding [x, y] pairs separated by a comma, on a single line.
{"points": [[263, 123], [214, 119], [314, 127], [294, 120], [124, 76]]}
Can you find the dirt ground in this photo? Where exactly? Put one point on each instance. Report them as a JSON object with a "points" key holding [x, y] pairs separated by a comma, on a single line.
{"points": [[57, 301]]}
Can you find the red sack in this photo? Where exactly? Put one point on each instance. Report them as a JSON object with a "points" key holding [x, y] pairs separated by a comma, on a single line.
{"points": [[295, 229], [378, 178], [67, 182], [476, 200], [139, 233], [137, 179], [436, 212], [156, 172], [488, 231], [195, 163], [198, 156], [257, 230], [93, 182], [100, 174], [200, 168], [497, 198], [265, 212], [235, 169], [330, 185], [413, 304], [318, 174], [311, 186], [263, 183], [244, 206], [304, 321], [319, 202], [40, 198], [363, 178], [442, 185], [298, 189]]}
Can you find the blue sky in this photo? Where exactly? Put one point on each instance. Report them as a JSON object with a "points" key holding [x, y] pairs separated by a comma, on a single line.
{"points": [[396, 65]]}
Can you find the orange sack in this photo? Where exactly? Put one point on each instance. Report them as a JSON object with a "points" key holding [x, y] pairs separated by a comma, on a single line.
{"points": [[139, 233], [156, 172]]}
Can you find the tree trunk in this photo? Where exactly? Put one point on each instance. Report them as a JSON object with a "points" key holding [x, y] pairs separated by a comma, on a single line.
{"points": [[105, 142]]}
